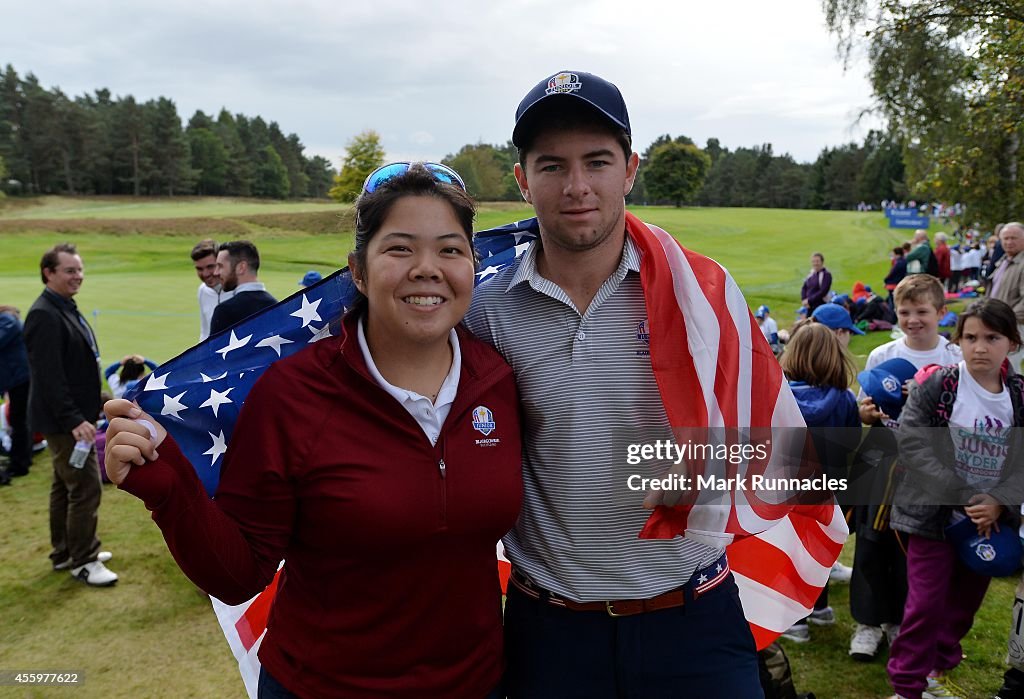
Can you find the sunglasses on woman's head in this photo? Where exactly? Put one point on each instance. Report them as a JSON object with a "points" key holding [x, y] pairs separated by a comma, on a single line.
{"points": [[441, 173]]}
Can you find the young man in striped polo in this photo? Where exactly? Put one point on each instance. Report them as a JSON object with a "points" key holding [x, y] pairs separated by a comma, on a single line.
{"points": [[594, 611]]}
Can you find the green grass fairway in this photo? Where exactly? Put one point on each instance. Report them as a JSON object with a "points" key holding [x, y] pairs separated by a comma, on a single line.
{"points": [[140, 291], [154, 635]]}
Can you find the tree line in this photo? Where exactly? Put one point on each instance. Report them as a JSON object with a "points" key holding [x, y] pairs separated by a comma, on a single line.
{"points": [[51, 143], [98, 144], [676, 171]]}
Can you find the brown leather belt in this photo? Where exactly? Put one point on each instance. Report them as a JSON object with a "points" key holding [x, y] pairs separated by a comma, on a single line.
{"points": [[622, 607]]}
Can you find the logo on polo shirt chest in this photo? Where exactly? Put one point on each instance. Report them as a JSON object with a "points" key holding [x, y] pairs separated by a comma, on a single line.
{"points": [[483, 422], [643, 336]]}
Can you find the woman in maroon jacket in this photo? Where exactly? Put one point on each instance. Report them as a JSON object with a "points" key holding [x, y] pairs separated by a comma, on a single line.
{"points": [[382, 465]]}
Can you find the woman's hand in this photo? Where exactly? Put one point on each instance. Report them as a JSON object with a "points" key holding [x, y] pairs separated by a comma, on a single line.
{"points": [[984, 511], [132, 438]]}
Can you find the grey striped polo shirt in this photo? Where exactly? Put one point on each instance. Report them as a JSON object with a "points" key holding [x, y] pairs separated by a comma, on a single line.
{"points": [[587, 391]]}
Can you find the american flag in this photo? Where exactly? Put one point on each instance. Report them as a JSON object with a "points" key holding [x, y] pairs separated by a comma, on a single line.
{"points": [[704, 342], [727, 378]]}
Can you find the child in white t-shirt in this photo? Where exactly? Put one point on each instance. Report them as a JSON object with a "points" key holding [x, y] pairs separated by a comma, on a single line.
{"points": [[878, 582]]}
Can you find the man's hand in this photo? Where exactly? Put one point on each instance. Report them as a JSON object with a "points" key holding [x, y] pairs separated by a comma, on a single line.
{"points": [[869, 412], [984, 511], [84, 432], [132, 438], [13, 310]]}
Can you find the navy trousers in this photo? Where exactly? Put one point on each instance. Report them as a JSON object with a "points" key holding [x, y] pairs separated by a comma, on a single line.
{"points": [[703, 649]]}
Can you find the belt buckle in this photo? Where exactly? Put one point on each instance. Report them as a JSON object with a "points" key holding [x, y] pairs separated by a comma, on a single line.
{"points": [[611, 612]]}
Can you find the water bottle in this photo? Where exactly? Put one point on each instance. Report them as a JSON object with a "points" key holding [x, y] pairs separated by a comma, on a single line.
{"points": [[80, 454]]}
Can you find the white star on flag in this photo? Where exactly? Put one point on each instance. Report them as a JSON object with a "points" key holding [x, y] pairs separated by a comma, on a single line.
{"points": [[208, 379], [219, 446], [701, 579], [157, 383], [484, 273], [217, 399], [519, 237], [308, 312], [233, 344], [718, 568], [274, 342], [521, 248], [320, 333], [173, 406]]}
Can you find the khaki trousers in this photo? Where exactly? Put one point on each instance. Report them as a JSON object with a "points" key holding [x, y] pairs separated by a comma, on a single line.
{"points": [[74, 504]]}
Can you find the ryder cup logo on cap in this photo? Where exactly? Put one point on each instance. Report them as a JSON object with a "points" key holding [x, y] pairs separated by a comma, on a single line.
{"points": [[569, 89], [563, 82], [891, 384], [985, 552], [483, 420]]}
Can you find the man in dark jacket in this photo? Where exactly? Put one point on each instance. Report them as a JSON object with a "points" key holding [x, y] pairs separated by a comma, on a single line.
{"points": [[64, 403], [14, 377], [238, 263]]}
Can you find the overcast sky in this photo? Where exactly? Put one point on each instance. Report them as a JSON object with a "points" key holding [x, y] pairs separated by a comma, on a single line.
{"points": [[433, 76]]}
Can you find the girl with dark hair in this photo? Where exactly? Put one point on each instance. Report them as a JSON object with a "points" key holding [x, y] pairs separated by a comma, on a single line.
{"points": [[123, 375], [382, 465], [958, 437]]}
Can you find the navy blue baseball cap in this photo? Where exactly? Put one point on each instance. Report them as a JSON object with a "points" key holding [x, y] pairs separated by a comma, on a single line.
{"points": [[311, 278], [884, 384], [997, 556], [596, 92], [836, 317]]}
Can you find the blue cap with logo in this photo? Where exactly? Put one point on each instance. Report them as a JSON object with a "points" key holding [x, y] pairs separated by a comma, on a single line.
{"points": [[761, 311], [997, 556], [311, 278], [884, 384], [597, 92], [835, 317]]}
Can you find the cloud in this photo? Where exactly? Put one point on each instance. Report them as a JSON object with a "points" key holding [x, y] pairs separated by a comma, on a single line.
{"points": [[433, 77]]}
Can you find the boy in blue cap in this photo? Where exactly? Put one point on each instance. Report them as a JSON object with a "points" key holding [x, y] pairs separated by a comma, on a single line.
{"points": [[836, 318], [769, 328]]}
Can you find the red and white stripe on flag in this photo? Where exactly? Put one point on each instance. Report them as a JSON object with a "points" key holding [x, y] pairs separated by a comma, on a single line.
{"points": [[728, 377], [244, 624]]}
